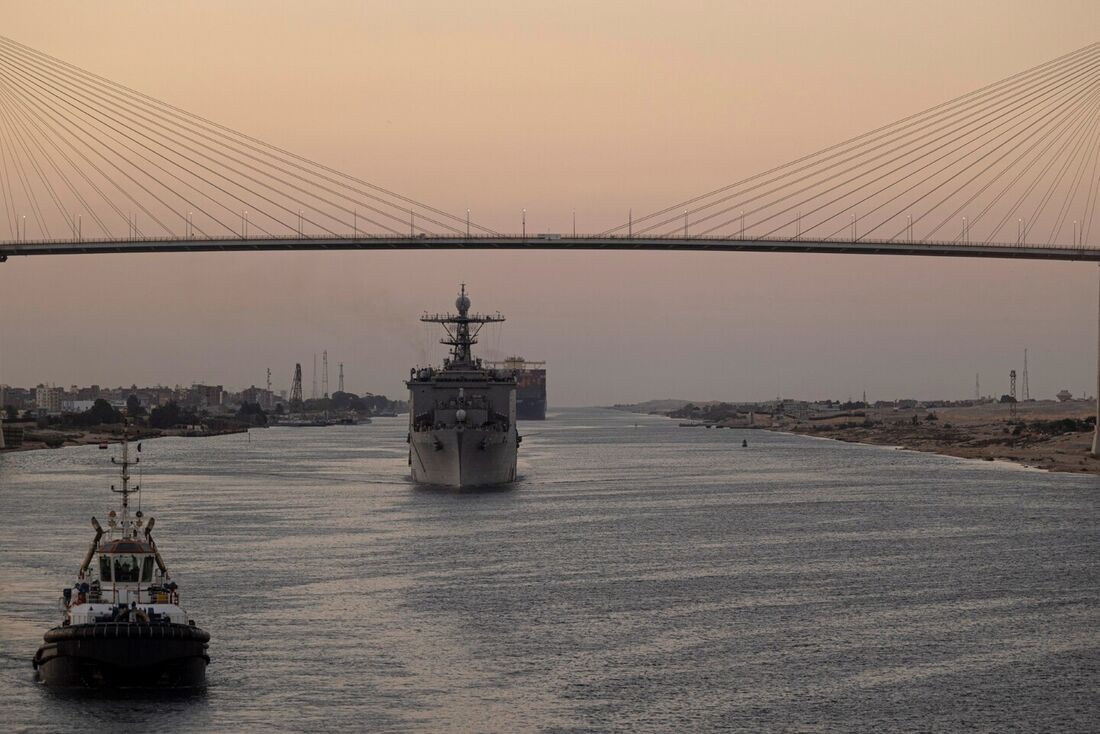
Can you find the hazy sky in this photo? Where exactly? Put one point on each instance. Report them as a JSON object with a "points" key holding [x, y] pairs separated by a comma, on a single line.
{"points": [[601, 107]]}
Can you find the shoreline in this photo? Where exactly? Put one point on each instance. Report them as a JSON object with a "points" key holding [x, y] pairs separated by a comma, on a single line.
{"points": [[1050, 435], [59, 439], [1064, 454]]}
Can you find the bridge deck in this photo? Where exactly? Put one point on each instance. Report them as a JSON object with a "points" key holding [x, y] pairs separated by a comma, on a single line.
{"points": [[551, 242]]}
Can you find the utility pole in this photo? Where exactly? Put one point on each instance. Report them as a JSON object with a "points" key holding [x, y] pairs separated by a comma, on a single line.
{"points": [[977, 386], [1027, 390], [313, 390], [341, 377]]}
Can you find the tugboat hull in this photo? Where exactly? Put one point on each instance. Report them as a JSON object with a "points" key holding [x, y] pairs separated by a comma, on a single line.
{"points": [[123, 655]]}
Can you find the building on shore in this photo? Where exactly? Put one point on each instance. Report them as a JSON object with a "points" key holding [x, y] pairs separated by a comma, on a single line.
{"points": [[48, 399]]}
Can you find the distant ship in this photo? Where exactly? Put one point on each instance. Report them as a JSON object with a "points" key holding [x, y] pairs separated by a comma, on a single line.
{"points": [[530, 387], [462, 417], [123, 624]]}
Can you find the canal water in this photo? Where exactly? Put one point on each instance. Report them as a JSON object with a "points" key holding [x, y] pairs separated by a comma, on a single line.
{"points": [[641, 577]]}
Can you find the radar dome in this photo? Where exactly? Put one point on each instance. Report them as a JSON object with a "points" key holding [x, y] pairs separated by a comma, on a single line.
{"points": [[462, 303]]}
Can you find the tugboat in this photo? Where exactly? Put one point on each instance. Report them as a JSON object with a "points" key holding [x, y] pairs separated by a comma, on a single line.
{"points": [[123, 625]]}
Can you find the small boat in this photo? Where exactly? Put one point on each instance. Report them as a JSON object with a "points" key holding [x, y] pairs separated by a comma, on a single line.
{"points": [[103, 445], [123, 626], [744, 443]]}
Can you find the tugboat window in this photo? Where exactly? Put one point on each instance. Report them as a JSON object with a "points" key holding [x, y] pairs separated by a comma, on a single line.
{"points": [[147, 569], [126, 568], [104, 568]]}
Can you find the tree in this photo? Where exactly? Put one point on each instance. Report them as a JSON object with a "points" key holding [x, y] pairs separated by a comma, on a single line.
{"points": [[253, 414], [165, 416], [101, 412], [133, 406]]}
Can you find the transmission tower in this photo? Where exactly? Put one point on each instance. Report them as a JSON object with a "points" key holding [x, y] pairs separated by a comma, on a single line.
{"points": [[1027, 392], [313, 390], [269, 397], [977, 386], [296, 388], [324, 374], [341, 377], [1012, 393]]}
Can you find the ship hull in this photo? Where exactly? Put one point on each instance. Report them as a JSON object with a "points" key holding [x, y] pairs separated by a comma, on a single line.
{"points": [[126, 655], [531, 409], [450, 457]]}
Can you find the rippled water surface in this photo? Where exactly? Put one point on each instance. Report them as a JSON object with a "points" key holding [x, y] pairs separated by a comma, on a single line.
{"points": [[640, 577]]}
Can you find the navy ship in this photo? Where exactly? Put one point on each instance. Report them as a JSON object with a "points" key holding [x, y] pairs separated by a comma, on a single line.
{"points": [[123, 625], [462, 417]]}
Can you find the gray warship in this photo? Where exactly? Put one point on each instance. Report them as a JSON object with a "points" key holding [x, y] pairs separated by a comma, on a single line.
{"points": [[462, 417]]}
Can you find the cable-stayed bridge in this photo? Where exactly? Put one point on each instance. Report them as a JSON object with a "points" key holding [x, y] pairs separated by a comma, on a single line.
{"points": [[1010, 170], [91, 166]]}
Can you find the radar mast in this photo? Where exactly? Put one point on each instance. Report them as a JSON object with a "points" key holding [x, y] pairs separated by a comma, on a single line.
{"points": [[460, 336]]}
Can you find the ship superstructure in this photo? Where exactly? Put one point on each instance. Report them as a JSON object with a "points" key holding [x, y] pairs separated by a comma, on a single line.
{"points": [[123, 625], [530, 387], [462, 417]]}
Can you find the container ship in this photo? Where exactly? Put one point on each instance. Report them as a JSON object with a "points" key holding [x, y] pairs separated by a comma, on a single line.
{"points": [[462, 417], [530, 387]]}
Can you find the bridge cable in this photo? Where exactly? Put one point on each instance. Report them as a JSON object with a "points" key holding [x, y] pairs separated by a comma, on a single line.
{"points": [[189, 134], [117, 133], [995, 110], [1019, 201], [1026, 130], [988, 104], [220, 174], [1078, 178], [1082, 115], [1090, 200], [136, 229], [159, 141], [24, 181], [1082, 145], [1079, 124], [995, 113], [9, 192], [228, 133], [80, 169], [36, 135], [1023, 74], [17, 134]]}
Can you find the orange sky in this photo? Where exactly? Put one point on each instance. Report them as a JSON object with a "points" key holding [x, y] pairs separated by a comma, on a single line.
{"points": [[601, 107]]}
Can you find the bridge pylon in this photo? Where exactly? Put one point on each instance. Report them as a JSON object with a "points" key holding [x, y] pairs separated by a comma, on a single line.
{"points": [[1096, 428]]}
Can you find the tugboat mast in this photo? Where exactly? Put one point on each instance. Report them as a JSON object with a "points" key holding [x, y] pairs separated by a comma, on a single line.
{"points": [[459, 335], [124, 473]]}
